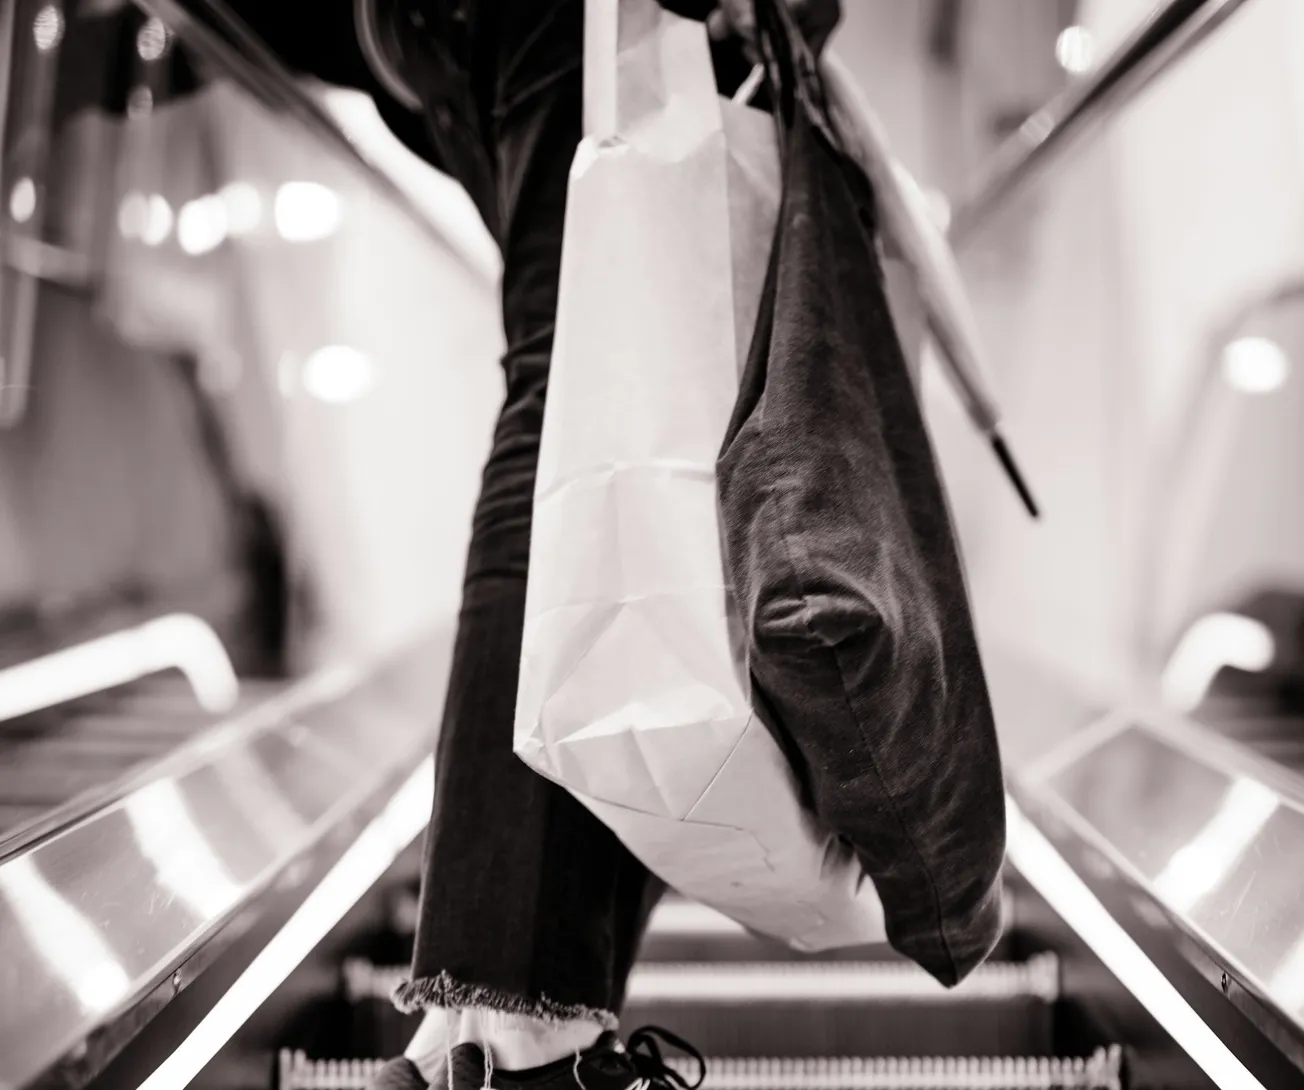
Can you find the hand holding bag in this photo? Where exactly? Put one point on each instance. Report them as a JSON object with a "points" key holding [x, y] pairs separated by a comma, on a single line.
{"points": [[634, 694]]}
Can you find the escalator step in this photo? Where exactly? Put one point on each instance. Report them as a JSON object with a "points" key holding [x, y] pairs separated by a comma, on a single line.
{"points": [[839, 981], [1101, 1071], [752, 982], [681, 930], [794, 1008]]}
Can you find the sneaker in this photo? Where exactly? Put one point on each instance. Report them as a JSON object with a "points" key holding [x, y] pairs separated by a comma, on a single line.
{"points": [[606, 1065]]}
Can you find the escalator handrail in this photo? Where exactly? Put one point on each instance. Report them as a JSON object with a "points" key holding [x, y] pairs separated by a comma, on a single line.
{"points": [[1163, 40], [1168, 35], [254, 66]]}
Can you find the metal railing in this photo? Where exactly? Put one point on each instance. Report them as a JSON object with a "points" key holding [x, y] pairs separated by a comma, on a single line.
{"points": [[1169, 34], [208, 27]]}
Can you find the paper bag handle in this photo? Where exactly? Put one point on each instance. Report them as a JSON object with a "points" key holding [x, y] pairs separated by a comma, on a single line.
{"points": [[623, 83]]}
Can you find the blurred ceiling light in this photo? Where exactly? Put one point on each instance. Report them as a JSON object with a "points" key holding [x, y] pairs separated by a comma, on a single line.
{"points": [[307, 211], [47, 28], [1196, 868], [201, 225], [133, 212], [244, 207], [157, 224], [1075, 49], [152, 39], [1210, 644], [1255, 365], [22, 200], [337, 374]]}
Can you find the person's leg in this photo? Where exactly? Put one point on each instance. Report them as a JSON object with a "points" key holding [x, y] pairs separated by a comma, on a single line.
{"points": [[529, 905]]}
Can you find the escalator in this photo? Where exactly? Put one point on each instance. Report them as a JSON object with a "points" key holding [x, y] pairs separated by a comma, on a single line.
{"points": [[767, 1018], [219, 662], [233, 350]]}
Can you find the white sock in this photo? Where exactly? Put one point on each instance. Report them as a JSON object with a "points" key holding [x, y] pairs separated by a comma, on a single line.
{"points": [[431, 1042], [515, 1042]]}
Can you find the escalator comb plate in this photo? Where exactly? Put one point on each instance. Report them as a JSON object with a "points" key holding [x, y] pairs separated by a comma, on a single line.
{"points": [[1101, 1071]]}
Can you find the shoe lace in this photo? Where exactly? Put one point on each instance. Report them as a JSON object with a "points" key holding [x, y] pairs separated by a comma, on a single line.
{"points": [[644, 1051]]}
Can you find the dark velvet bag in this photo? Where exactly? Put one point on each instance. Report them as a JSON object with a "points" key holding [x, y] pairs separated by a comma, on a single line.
{"points": [[840, 547]]}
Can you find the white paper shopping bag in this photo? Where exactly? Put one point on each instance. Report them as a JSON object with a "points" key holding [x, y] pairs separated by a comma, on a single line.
{"points": [[633, 693]]}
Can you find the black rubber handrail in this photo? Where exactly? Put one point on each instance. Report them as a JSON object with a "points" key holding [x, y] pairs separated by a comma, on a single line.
{"points": [[1169, 34], [213, 31]]}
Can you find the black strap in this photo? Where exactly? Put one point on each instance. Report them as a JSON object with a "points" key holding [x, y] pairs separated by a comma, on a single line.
{"points": [[791, 69]]}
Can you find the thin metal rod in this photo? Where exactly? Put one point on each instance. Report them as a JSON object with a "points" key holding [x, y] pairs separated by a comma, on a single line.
{"points": [[1162, 41]]}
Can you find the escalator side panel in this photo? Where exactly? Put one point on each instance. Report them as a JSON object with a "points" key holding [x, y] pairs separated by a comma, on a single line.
{"points": [[94, 917]]}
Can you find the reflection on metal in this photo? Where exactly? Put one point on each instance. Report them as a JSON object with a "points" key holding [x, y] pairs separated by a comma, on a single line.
{"points": [[1215, 837], [69, 945], [1168, 35], [1052, 877], [361, 866], [182, 856], [153, 874], [176, 642], [1197, 867], [1211, 644]]}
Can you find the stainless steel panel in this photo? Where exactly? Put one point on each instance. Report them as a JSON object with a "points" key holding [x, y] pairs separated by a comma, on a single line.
{"points": [[93, 917], [1214, 836], [260, 408]]}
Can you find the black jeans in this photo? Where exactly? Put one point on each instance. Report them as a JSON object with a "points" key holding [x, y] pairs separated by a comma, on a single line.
{"points": [[529, 904]]}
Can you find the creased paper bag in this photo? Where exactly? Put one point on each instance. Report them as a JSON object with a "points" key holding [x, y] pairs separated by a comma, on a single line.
{"points": [[633, 692]]}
